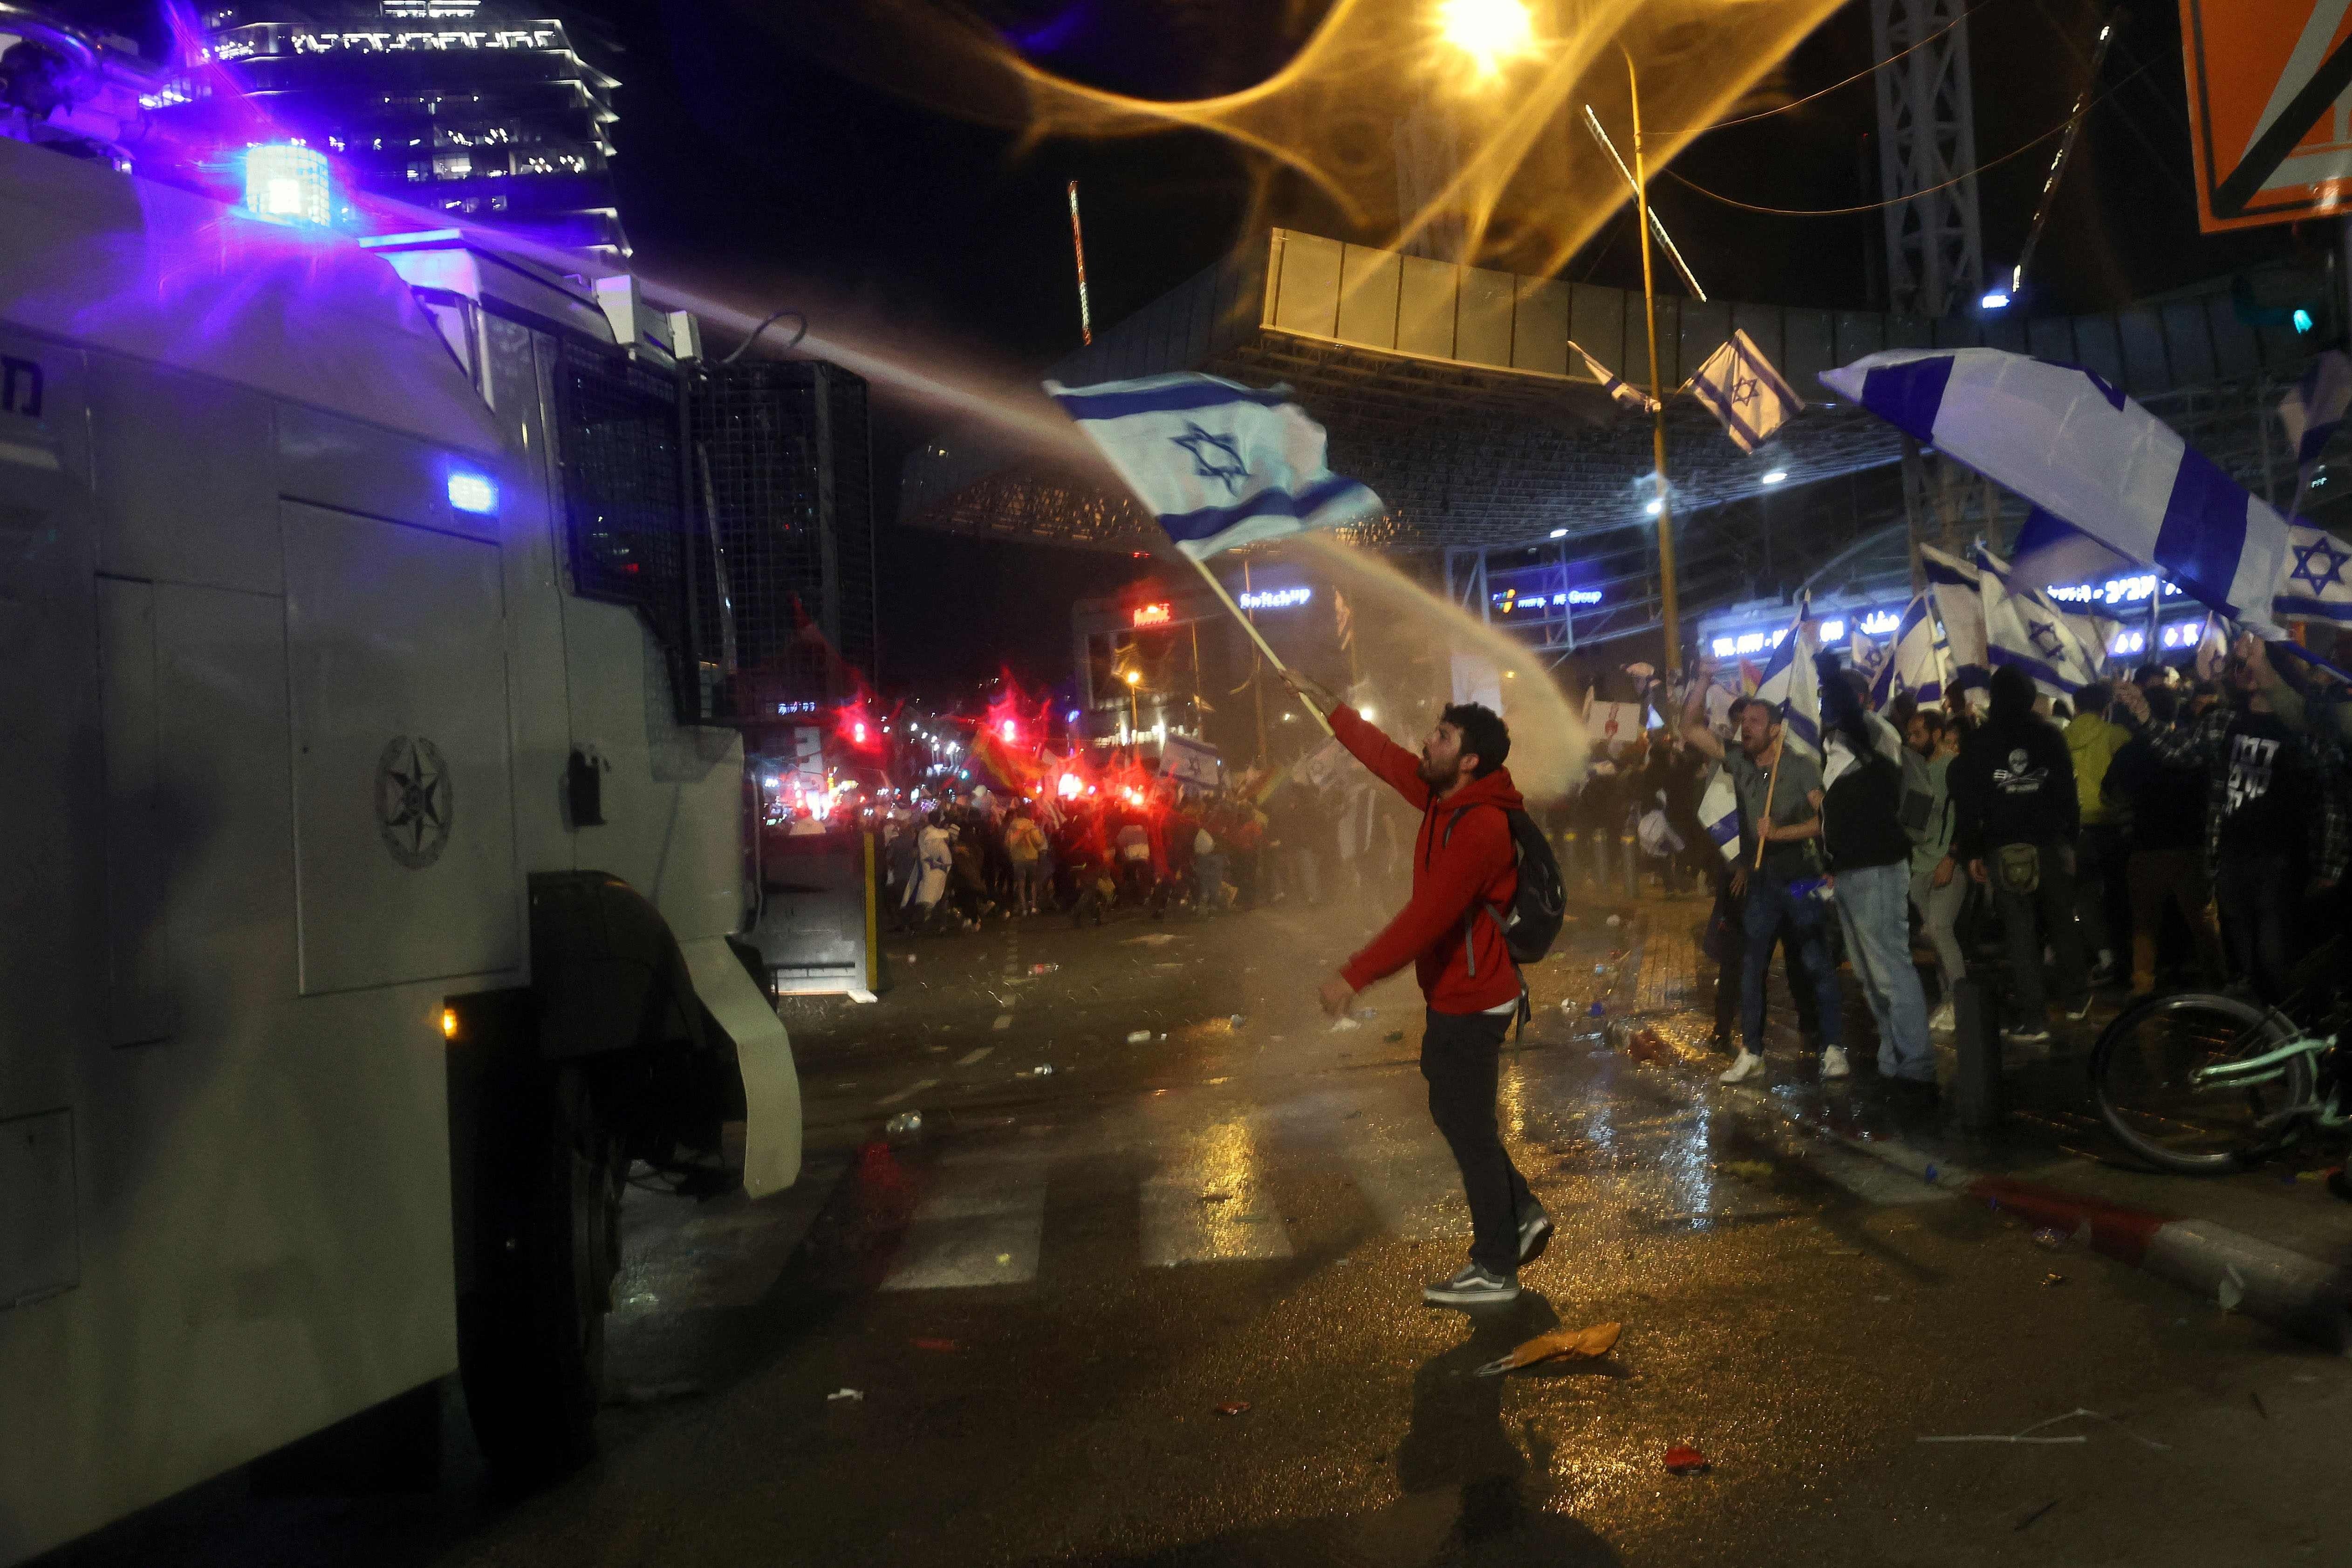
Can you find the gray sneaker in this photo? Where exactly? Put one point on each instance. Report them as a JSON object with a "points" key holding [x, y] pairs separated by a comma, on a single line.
{"points": [[1535, 1233], [1473, 1286]]}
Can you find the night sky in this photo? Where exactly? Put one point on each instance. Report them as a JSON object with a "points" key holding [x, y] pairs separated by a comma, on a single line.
{"points": [[748, 167]]}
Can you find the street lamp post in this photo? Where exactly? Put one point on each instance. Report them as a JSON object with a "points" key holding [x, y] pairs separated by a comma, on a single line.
{"points": [[1668, 605]]}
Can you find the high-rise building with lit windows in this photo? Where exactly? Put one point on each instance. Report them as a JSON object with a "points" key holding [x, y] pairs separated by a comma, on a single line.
{"points": [[482, 110]]}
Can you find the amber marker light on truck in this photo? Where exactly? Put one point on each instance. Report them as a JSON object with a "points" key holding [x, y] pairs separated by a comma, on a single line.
{"points": [[448, 1023]]}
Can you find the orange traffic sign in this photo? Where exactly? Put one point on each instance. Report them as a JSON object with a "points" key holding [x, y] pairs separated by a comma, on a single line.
{"points": [[2269, 109]]}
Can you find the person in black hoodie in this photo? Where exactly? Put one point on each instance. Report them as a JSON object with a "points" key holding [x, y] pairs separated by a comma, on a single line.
{"points": [[2013, 793], [1870, 858]]}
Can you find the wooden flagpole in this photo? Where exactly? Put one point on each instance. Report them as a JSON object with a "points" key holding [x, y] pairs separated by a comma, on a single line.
{"points": [[1764, 818], [1248, 626]]}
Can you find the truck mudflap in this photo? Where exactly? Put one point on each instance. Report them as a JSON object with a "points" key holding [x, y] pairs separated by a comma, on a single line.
{"points": [[763, 1055]]}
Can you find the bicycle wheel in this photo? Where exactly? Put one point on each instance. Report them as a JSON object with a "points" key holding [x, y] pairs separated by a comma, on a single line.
{"points": [[2140, 1075]]}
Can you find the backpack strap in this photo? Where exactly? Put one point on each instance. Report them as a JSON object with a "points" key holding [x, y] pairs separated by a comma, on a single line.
{"points": [[1470, 926]]}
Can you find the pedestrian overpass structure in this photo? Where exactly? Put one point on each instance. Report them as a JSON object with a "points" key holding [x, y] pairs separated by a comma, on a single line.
{"points": [[1453, 392]]}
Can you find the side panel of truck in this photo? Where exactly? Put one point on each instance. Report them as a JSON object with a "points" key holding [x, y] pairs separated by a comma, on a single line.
{"points": [[227, 960]]}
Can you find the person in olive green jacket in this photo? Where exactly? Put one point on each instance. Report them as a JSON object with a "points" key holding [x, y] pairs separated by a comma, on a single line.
{"points": [[2100, 854]]}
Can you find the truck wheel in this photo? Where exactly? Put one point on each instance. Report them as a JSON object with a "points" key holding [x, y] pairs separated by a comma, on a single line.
{"points": [[531, 1335]]}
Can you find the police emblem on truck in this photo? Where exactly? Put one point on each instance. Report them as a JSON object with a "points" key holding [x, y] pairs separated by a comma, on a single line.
{"points": [[413, 802]]}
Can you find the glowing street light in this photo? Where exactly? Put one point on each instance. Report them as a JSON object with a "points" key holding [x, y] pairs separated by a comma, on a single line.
{"points": [[1488, 31]]}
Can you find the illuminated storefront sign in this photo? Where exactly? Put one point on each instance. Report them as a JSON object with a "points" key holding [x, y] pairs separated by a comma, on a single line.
{"points": [[1157, 615], [1276, 598], [1511, 600], [2113, 591], [1833, 630]]}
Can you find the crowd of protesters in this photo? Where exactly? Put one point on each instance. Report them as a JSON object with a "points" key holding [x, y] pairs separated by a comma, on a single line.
{"points": [[2155, 831], [2160, 831], [989, 855]]}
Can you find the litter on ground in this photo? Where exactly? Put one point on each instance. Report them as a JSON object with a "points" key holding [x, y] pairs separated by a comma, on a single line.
{"points": [[1560, 1344]]}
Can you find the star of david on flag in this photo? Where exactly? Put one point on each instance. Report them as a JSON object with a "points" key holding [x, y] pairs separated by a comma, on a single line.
{"points": [[1219, 464], [1740, 387], [2316, 587], [2025, 628]]}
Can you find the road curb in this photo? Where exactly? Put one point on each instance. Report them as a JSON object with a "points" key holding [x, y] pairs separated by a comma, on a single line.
{"points": [[2288, 1290]]}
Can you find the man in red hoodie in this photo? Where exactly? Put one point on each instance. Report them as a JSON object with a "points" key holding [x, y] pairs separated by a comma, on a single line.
{"points": [[1462, 863]]}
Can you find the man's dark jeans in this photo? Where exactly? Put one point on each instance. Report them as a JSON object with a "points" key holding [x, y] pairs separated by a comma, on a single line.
{"points": [[2029, 919], [2259, 895], [1731, 970], [1461, 1056], [1800, 922]]}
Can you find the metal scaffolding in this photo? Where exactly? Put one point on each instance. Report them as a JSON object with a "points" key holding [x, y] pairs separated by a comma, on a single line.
{"points": [[1926, 153]]}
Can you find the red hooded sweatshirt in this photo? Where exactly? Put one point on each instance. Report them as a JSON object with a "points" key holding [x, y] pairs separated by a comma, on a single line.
{"points": [[1452, 875]]}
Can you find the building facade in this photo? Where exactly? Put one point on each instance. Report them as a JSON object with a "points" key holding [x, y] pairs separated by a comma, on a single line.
{"points": [[476, 109]]}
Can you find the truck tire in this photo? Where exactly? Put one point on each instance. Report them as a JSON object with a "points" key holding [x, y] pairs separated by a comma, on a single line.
{"points": [[531, 1333]]}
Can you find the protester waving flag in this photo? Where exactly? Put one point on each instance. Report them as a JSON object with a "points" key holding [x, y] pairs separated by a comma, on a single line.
{"points": [[2025, 629], [2311, 411], [2070, 443], [1220, 464], [1740, 387], [1953, 595]]}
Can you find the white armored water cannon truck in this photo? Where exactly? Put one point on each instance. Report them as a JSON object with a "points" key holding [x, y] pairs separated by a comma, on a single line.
{"points": [[381, 850]]}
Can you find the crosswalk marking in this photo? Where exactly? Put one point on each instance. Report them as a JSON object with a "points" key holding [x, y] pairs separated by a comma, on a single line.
{"points": [[1412, 1187], [980, 1227], [1211, 1193], [1208, 1200]]}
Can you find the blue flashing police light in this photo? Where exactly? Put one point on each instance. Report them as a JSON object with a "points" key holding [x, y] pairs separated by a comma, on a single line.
{"points": [[288, 183], [473, 492]]}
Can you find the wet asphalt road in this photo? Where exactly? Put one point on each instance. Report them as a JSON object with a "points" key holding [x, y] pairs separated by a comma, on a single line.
{"points": [[1044, 1302]]}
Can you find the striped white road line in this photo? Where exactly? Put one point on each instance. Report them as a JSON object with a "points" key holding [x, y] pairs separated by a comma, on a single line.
{"points": [[972, 1058], [1209, 1201], [913, 1089], [1413, 1186], [980, 1226]]}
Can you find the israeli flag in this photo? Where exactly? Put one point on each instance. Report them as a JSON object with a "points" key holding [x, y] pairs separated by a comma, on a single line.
{"points": [[1953, 595], [2316, 587], [1740, 387], [2311, 411], [1622, 394], [2068, 442], [1220, 464], [2025, 629], [1916, 665], [1718, 809], [1791, 684]]}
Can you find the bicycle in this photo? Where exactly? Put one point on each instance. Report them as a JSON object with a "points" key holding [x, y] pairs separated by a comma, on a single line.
{"points": [[2206, 1082]]}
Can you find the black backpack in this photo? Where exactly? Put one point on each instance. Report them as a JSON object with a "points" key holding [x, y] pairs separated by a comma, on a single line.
{"points": [[1540, 907]]}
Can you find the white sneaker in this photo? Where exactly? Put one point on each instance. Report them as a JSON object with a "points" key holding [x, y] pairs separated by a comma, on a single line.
{"points": [[1749, 1065], [1833, 1063], [1944, 1019]]}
